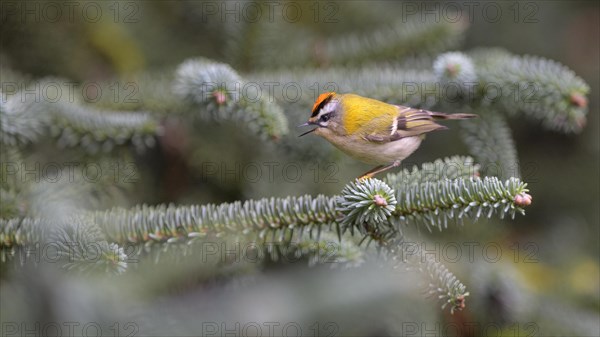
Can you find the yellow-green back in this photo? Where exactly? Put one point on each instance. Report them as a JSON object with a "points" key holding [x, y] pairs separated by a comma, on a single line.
{"points": [[361, 111]]}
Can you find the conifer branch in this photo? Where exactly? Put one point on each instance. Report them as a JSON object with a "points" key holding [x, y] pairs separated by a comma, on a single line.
{"points": [[21, 121], [220, 92], [395, 40], [26, 120], [457, 69], [401, 38], [441, 169], [442, 284], [434, 203], [77, 244], [489, 138], [385, 82], [16, 233], [542, 89], [372, 201], [81, 246], [10, 186], [293, 226], [429, 203], [77, 125], [162, 223], [328, 249]]}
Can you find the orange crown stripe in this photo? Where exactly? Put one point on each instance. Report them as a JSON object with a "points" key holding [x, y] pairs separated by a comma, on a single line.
{"points": [[321, 100]]}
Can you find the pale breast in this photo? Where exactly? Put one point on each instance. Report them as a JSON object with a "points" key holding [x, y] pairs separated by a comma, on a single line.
{"points": [[371, 152]]}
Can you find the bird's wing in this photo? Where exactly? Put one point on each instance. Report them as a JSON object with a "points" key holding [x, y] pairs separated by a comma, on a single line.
{"points": [[408, 122]]}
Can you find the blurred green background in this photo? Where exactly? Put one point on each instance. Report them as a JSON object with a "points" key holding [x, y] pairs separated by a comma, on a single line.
{"points": [[561, 230]]}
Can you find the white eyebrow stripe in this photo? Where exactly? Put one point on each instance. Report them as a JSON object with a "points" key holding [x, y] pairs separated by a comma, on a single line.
{"points": [[329, 107]]}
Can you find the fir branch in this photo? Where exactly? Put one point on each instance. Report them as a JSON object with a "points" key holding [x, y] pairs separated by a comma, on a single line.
{"points": [[146, 91], [441, 169], [16, 233], [222, 94], [455, 68], [10, 185], [400, 39], [163, 223], [486, 58], [81, 246], [380, 81], [95, 130], [434, 203], [203, 81], [22, 120], [9, 207], [490, 140], [78, 243], [329, 249], [542, 89], [370, 201], [369, 206], [25, 120], [393, 41], [442, 284]]}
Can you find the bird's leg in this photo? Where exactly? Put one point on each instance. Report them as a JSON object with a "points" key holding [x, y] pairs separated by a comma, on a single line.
{"points": [[370, 173], [381, 168]]}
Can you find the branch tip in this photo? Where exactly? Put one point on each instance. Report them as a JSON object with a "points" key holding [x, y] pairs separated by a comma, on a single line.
{"points": [[523, 199]]}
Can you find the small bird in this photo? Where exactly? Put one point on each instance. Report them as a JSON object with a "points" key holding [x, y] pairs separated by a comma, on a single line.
{"points": [[372, 131]]}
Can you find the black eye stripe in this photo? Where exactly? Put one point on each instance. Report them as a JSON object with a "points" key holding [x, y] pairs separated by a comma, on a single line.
{"points": [[325, 117]]}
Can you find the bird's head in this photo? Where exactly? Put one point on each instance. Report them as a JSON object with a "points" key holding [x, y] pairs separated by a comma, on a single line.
{"points": [[325, 112]]}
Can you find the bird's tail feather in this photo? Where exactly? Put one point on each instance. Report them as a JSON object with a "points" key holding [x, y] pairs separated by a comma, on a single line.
{"points": [[440, 115]]}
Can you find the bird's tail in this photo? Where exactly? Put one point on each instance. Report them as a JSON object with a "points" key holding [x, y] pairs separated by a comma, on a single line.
{"points": [[440, 115]]}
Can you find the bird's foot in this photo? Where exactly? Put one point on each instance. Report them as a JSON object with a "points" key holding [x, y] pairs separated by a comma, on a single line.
{"points": [[381, 168]]}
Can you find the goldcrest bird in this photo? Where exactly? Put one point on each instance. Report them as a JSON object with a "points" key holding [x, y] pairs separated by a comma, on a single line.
{"points": [[372, 131]]}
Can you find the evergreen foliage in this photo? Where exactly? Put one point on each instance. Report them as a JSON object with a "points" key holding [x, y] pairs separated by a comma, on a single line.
{"points": [[219, 91], [541, 89], [489, 139], [405, 63]]}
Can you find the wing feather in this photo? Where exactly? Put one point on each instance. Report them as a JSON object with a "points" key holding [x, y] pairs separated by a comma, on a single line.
{"points": [[408, 122]]}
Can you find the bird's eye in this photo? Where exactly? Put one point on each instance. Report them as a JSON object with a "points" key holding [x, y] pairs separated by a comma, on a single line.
{"points": [[325, 118]]}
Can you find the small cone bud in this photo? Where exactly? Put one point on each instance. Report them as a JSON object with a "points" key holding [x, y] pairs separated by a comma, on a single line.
{"points": [[579, 100], [452, 70], [380, 201], [523, 199], [220, 97], [461, 302]]}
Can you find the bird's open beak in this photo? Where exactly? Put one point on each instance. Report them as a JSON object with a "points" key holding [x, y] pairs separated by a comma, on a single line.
{"points": [[307, 132]]}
